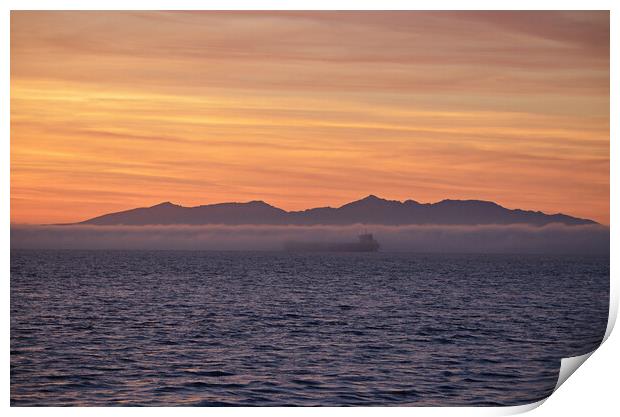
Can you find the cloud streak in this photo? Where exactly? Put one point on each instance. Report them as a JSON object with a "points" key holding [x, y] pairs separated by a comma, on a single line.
{"points": [[202, 107]]}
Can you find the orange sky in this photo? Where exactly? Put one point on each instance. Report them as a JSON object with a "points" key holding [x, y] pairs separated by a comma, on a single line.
{"points": [[115, 110]]}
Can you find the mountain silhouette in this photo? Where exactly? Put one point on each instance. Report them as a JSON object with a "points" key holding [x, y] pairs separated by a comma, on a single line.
{"points": [[369, 210]]}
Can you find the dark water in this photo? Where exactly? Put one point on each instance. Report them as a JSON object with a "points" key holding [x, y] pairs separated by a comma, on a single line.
{"points": [[208, 328]]}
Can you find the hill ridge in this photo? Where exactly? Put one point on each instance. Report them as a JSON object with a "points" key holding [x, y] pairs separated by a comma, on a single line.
{"points": [[368, 210]]}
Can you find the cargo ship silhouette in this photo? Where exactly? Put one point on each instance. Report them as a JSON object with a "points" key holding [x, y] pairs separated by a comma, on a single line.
{"points": [[366, 243]]}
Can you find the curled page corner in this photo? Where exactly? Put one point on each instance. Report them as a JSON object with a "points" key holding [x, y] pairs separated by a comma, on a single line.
{"points": [[519, 409], [568, 366]]}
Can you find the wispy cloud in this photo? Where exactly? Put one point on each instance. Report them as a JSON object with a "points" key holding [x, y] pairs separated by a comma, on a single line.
{"points": [[204, 107]]}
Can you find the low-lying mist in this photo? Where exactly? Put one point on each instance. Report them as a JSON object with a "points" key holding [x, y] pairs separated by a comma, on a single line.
{"points": [[587, 239]]}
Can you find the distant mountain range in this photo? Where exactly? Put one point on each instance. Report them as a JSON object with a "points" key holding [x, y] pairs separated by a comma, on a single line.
{"points": [[369, 210]]}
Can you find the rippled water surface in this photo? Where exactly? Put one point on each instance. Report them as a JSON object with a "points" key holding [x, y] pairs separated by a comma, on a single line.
{"points": [[251, 328]]}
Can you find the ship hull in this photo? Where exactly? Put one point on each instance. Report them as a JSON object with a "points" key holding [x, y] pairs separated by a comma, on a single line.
{"points": [[331, 246]]}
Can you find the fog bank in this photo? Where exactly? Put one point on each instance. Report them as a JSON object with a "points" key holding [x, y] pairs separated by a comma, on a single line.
{"points": [[587, 239]]}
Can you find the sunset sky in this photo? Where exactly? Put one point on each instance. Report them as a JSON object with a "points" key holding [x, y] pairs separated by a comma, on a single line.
{"points": [[116, 110]]}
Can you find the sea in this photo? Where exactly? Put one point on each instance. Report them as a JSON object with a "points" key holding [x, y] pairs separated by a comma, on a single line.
{"points": [[192, 328]]}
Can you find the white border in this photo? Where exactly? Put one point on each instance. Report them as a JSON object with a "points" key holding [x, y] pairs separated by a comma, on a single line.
{"points": [[593, 389]]}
